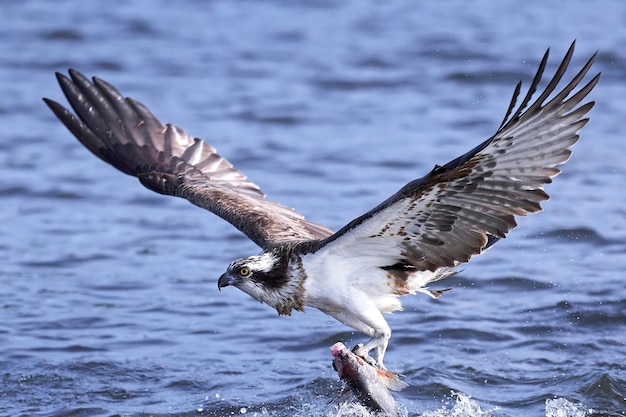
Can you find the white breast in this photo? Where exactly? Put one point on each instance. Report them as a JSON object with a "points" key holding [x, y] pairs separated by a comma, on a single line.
{"points": [[334, 281]]}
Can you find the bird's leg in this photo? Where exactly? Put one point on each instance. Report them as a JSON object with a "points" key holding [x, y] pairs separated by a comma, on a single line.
{"points": [[358, 351], [378, 341], [360, 313]]}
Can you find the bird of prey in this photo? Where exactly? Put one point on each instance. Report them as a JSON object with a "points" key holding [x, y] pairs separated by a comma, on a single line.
{"points": [[417, 236]]}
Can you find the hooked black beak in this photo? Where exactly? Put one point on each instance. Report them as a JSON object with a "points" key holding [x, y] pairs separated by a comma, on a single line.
{"points": [[224, 281]]}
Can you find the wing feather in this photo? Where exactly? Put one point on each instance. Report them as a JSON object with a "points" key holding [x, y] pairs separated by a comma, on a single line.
{"points": [[125, 134], [463, 207]]}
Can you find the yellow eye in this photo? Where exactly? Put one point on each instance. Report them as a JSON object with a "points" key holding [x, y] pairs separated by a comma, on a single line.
{"points": [[244, 271]]}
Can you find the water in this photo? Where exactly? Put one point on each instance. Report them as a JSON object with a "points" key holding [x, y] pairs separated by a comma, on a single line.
{"points": [[108, 300]]}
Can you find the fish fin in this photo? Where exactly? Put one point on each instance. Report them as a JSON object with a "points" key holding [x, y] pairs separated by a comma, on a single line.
{"points": [[391, 380]]}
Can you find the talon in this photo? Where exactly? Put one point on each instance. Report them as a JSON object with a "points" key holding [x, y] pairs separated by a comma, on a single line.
{"points": [[358, 351]]}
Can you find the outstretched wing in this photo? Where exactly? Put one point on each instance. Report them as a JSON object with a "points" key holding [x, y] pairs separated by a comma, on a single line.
{"points": [[123, 132], [461, 208]]}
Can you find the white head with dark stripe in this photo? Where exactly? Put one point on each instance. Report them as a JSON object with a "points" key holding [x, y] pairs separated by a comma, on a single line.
{"points": [[264, 277]]}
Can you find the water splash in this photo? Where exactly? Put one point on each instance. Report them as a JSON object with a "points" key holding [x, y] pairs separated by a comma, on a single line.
{"points": [[560, 407], [463, 406], [352, 408]]}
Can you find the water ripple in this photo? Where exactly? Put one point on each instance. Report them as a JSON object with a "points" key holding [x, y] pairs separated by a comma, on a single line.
{"points": [[109, 304]]}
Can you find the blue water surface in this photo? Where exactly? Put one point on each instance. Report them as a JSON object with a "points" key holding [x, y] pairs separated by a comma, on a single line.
{"points": [[108, 297]]}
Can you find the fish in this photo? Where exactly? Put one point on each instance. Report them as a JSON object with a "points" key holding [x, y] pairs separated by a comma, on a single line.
{"points": [[368, 383]]}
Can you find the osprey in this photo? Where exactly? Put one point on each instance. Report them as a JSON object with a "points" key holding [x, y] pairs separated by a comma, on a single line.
{"points": [[417, 236]]}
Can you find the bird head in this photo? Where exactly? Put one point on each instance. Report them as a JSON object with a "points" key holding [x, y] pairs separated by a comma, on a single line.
{"points": [[266, 278], [250, 274]]}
